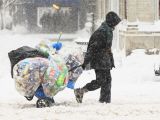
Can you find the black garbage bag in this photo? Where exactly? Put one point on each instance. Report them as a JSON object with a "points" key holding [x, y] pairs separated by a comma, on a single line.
{"points": [[23, 52]]}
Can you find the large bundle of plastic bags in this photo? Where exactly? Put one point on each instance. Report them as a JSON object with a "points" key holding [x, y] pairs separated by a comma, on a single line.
{"points": [[72, 62], [46, 47], [57, 70], [52, 73], [30, 73]]}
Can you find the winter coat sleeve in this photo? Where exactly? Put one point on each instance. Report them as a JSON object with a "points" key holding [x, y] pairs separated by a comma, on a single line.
{"points": [[108, 47], [96, 44], [112, 59]]}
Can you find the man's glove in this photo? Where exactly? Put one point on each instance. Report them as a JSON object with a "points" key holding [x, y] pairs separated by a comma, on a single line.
{"points": [[83, 66], [112, 62], [111, 58], [113, 66]]}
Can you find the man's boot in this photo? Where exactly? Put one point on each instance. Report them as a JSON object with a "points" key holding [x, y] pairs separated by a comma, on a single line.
{"points": [[79, 94]]}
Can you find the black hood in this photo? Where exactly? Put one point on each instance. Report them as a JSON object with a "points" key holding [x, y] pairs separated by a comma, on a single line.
{"points": [[112, 19]]}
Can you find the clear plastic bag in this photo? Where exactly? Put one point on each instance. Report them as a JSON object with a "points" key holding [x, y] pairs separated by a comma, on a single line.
{"points": [[28, 74]]}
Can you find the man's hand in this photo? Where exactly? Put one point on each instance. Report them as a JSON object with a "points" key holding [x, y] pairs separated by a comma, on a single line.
{"points": [[112, 59], [83, 66], [113, 66], [112, 62]]}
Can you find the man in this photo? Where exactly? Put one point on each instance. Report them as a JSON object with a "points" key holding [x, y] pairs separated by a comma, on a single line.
{"points": [[100, 57]]}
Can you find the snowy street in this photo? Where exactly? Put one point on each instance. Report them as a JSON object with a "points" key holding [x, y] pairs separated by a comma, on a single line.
{"points": [[135, 89], [87, 111]]}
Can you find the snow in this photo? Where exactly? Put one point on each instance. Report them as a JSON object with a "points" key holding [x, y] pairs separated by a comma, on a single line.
{"points": [[84, 34], [135, 89]]}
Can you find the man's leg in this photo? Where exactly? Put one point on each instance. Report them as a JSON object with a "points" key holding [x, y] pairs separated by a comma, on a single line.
{"points": [[105, 93], [93, 85]]}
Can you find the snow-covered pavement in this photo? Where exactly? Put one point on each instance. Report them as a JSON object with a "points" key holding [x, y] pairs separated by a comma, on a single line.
{"points": [[135, 89]]}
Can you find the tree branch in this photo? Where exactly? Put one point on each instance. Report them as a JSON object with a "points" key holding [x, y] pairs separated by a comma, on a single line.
{"points": [[8, 3]]}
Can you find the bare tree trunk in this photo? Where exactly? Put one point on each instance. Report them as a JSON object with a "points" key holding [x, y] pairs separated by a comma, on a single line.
{"points": [[2, 23], [3, 5], [8, 3], [1, 14]]}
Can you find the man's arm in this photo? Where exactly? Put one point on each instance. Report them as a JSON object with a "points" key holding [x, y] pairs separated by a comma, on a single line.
{"points": [[96, 43]]}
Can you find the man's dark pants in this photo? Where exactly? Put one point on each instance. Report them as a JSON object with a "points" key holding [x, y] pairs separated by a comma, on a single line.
{"points": [[103, 81]]}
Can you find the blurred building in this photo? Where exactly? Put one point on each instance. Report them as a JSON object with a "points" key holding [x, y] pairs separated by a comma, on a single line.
{"points": [[39, 15], [142, 24], [140, 27]]}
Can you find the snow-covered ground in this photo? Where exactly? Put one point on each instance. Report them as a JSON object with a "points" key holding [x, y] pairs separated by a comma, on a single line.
{"points": [[135, 89]]}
